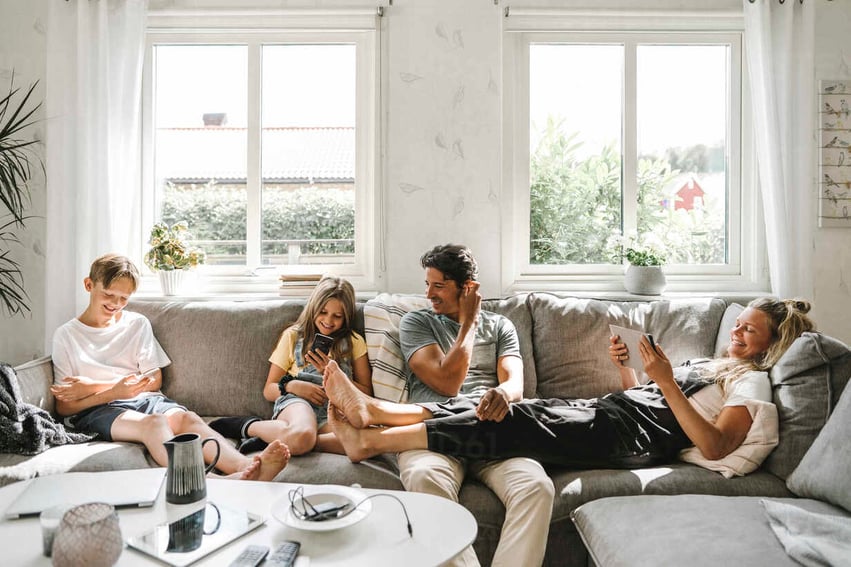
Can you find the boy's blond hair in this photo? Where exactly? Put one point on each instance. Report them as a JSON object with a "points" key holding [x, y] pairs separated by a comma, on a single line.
{"points": [[111, 267]]}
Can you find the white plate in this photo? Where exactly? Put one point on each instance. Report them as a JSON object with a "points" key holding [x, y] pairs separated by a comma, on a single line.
{"points": [[316, 494]]}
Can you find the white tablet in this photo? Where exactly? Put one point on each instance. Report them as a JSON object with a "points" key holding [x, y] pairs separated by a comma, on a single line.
{"points": [[630, 338], [192, 537]]}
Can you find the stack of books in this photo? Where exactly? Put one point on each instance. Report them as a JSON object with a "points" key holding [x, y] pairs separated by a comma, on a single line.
{"points": [[298, 285]]}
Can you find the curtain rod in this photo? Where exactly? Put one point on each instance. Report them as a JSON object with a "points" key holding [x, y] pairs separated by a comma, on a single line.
{"points": [[783, 1]]}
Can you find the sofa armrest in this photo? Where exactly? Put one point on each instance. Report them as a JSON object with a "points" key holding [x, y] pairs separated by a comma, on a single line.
{"points": [[35, 378]]}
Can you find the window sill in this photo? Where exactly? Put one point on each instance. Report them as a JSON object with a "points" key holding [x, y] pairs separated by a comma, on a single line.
{"points": [[220, 288]]}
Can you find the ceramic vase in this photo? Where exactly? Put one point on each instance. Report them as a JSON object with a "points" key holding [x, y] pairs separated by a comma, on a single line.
{"points": [[171, 281], [88, 536], [644, 280]]}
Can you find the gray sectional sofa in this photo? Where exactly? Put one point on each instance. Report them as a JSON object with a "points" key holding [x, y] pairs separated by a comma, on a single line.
{"points": [[219, 351]]}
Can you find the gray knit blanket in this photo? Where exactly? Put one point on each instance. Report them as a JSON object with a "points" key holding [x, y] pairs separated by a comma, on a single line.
{"points": [[26, 429]]}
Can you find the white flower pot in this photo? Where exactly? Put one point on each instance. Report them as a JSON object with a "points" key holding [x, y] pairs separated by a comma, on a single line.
{"points": [[644, 280], [171, 281]]}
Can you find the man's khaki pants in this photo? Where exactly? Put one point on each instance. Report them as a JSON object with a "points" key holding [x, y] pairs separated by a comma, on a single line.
{"points": [[521, 484]]}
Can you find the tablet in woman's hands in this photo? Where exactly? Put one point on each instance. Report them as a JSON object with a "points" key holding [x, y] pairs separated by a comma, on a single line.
{"points": [[631, 338]]}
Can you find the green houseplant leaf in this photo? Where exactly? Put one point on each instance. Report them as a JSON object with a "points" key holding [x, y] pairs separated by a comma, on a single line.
{"points": [[17, 162], [170, 249]]}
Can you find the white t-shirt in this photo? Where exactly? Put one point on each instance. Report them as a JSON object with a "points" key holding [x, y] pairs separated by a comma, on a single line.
{"points": [[709, 401], [106, 354]]}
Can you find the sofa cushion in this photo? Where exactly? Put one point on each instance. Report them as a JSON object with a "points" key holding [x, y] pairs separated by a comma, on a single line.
{"points": [[570, 337], [94, 456], [761, 439], [35, 378], [378, 472], [825, 471], [381, 332], [728, 321], [692, 530], [219, 351], [574, 488], [807, 383], [516, 308]]}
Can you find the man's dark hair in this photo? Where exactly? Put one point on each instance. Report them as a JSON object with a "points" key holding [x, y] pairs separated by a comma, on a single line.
{"points": [[454, 260]]}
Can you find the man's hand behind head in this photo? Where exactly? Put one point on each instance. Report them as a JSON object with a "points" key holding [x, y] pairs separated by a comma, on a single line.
{"points": [[470, 303]]}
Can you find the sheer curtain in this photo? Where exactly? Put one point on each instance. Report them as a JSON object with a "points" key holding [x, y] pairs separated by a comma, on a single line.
{"points": [[95, 51], [779, 40]]}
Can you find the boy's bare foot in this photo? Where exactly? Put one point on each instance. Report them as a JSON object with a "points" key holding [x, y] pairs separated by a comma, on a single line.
{"points": [[251, 472], [353, 403], [349, 437]]}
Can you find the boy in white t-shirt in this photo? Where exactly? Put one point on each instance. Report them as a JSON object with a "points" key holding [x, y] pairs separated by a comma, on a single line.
{"points": [[107, 378]]}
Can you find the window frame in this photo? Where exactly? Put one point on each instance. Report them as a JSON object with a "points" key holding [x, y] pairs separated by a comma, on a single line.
{"points": [[746, 269], [278, 28]]}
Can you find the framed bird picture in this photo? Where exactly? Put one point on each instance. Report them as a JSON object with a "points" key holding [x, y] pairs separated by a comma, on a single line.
{"points": [[835, 153]]}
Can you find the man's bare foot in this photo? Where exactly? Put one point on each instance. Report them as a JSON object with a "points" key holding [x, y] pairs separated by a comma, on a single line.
{"points": [[349, 437], [353, 403]]}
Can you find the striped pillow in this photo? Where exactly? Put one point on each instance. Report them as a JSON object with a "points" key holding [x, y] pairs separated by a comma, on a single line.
{"points": [[381, 317]]}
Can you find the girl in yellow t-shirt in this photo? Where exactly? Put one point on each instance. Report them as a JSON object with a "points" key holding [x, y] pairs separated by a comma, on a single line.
{"points": [[294, 382]]}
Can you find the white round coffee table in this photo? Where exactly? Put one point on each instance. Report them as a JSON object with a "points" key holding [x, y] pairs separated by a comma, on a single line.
{"points": [[441, 528]]}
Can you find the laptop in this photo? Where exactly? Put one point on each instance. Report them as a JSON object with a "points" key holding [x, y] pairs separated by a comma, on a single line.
{"points": [[119, 488]]}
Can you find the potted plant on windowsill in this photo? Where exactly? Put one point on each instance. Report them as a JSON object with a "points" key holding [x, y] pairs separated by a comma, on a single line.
{"points": [[645, 257], [171, 255]]}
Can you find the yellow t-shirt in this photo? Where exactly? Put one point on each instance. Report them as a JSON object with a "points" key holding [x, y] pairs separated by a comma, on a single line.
{"points": [[284, 354]]}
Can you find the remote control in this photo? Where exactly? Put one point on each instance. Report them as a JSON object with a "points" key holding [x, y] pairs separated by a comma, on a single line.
{"points": [[284, 555], [251, 556]]}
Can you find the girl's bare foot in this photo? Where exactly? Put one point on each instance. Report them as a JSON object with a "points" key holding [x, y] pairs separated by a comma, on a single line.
{"points": [[353, 403], [273, 459], [349, 437]]}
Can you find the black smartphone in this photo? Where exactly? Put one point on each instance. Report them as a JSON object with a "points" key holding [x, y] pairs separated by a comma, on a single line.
{"points": [[652, 342], [322, 342], [328, 511]]}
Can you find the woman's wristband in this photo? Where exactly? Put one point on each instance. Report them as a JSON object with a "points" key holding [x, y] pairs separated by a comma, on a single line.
{"points": [[282, 383]]}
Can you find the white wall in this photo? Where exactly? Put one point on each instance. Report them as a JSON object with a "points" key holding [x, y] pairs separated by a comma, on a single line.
{"points": [[832, 252], [442, 157], [443, 149], [23, 49]]}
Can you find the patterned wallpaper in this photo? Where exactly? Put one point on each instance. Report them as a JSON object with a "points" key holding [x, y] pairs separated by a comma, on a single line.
{"points": [[443, 134]]}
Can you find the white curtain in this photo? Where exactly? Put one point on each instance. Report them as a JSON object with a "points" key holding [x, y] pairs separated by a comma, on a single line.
{"points": [[779, 40], [95, 51]]}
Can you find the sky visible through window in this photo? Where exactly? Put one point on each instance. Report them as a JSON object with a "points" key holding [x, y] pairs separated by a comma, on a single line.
{"points": [[303, 85], [679, 95]]}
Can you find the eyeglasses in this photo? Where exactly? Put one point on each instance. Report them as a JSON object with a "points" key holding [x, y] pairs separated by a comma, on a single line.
{"points": [[303, 509]]}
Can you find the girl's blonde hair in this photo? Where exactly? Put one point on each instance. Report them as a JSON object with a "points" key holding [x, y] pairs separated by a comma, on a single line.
{"points": [[788, 320], [329, 287]]}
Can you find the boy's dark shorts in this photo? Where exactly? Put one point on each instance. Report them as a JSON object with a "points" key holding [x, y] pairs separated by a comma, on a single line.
{"points": [[98, 419]]}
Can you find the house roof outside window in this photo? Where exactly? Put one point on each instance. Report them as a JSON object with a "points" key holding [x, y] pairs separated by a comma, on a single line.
{"points": [[290, 155]]}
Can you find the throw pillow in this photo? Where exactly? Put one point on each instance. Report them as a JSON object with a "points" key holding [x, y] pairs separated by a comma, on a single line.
{"points": [[381, 317], [761, 439], [807, 382], [514, 307], [570, 338], [728, 321], [824, 471]]}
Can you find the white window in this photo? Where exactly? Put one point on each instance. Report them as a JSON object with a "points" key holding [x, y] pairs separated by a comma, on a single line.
{"points": [[622, 132], [260, 134]]}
